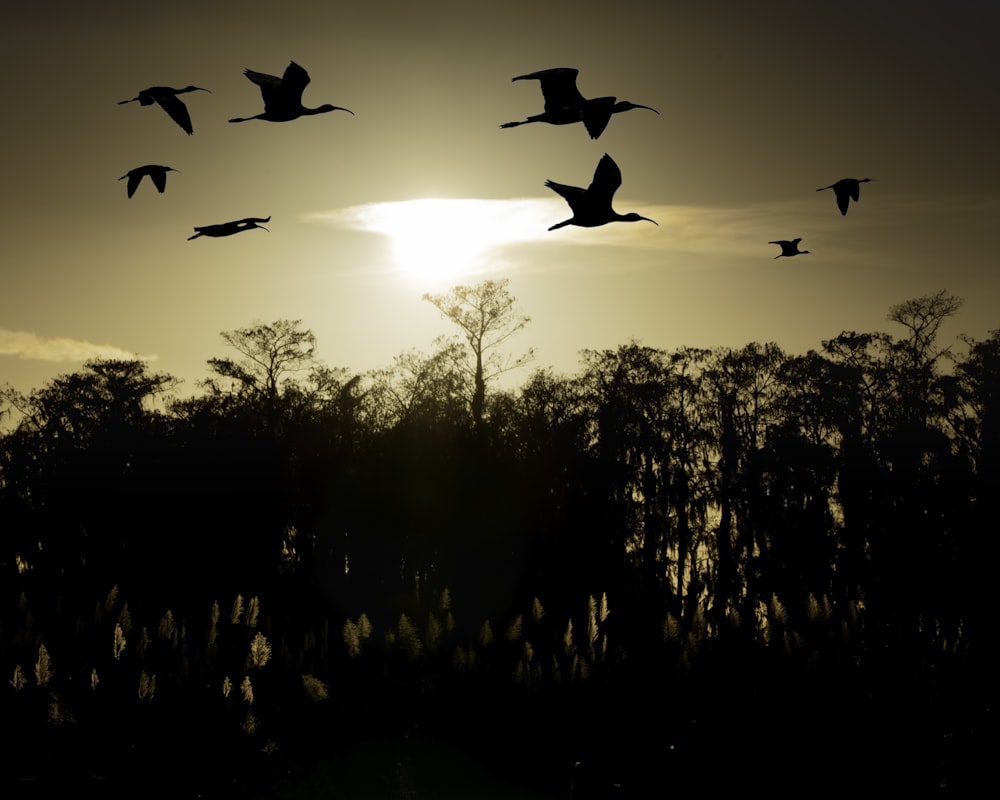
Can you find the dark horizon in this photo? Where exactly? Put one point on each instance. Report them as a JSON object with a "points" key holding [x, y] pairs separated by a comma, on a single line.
{"points": [[777, 558]]}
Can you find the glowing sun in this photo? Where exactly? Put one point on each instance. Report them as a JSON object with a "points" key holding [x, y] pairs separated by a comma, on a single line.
{"points": [[436, 240]]}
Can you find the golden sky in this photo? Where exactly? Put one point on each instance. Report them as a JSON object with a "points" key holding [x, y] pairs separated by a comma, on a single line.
{"points": [[760, 104]]}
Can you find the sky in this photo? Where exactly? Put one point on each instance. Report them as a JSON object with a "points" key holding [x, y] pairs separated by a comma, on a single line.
{"points": [[420, 190]]}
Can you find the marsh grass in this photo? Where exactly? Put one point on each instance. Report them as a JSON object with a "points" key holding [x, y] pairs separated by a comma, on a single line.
{"points": [[547, 674]]}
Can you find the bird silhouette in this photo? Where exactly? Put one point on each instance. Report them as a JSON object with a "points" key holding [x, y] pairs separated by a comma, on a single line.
{"points": [[229, 228], [789, 248], [565, 105], [592, 206], [283, 96], [166, 97], [156, 173], [846, 189]]}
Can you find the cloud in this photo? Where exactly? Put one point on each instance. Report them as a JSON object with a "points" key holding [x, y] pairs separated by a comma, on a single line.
{"points": [[443, 237], [24, 345], [484, 224], [474, 231]]}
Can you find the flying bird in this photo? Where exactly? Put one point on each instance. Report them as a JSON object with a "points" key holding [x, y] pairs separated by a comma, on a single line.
{"points": [[592, 206], [283, 96], [166, 97], [789, 248], [229, 228], [156, 173], [846, 189], [565, 105]]}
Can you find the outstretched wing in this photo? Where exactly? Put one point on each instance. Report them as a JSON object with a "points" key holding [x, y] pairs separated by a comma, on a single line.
{"points": [[597, 114], [607, 179], [134, 177], [270, 85], [844, 195], [159, 177], [295, 79], [177, 110], [558, 87]]}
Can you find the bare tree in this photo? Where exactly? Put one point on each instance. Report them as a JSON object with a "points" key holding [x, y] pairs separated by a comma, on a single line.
{"points": [[271, 354], [486, 315], [922, 317]]}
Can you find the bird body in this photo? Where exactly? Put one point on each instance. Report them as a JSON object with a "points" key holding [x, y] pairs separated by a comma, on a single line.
{"points": [[166, 98], [789, 248], [846, 189], [229, 228], [283, 96], [565, 105], [592, 206], [157, 174]]}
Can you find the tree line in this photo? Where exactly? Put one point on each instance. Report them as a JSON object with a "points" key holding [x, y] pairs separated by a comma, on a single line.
{"points": [[832, 508]]}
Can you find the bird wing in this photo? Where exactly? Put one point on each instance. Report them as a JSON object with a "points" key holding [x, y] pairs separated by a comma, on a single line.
{"points": [[134, 178], [177, 110], [159, 178], [843, 198], [295, 78], [571, 194], [607, 178], [270, 86], [558, 87], [854, 187], [596, 114]]}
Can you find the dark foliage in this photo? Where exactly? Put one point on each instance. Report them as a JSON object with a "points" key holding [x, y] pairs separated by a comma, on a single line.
{"points": [[684, 570]]}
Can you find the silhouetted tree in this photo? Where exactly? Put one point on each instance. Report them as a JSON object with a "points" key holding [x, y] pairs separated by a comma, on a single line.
{"points": [[629, 398], [746, 387], [901, 504], [271, 354], [486, 315], [420, 389], [84, 461]]}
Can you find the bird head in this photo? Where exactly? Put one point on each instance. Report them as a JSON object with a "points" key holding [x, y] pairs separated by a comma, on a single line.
{"points": [[625, 105], [633, 217], [327, 107], [193, 89]]}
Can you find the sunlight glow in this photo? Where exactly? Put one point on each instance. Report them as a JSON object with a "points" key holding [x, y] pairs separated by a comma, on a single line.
{"points": [[442, 239]]}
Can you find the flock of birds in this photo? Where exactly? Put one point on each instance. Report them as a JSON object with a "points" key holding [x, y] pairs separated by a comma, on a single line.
{"points": [[846, 190], [282, 103], [564, 105]]}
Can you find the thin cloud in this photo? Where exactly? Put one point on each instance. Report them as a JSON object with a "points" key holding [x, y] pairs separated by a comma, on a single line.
{"points": [[494, 223], [472, 230], [444, 237], [489, 222], [31, 346]]}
